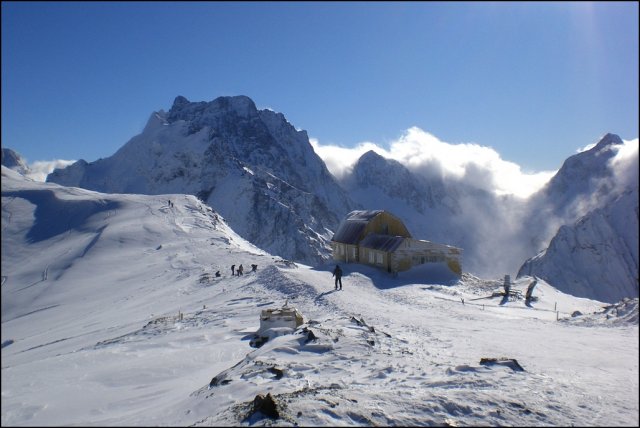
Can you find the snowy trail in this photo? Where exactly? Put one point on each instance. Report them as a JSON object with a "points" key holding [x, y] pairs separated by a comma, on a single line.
{"points": [[422, 353]]}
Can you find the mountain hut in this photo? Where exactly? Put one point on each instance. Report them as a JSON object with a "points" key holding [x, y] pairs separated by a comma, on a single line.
{"points": [[378, 238]]}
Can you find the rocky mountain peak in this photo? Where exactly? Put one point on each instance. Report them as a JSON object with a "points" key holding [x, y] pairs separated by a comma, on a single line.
{"points": [[607, 140], [581, 176], [179, 102], [252, 166], [12, 160], [204, 112], [371, 157]]}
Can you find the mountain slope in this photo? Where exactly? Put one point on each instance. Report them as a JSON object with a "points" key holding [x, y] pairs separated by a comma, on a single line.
{"points": [[591, 204], [391, 178], [253, 166], [583, 177], [265, 179], [597, 257], [498, 233], [114, 317], [448, 211]]}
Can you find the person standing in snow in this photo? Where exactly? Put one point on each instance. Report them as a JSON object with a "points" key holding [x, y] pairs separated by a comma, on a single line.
{"points": [[337, 273], [240, 269], [233, 270]]}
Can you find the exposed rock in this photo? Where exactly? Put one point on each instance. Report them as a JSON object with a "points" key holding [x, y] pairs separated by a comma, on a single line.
{"points": [[512, 363], [265, 405], [278, 372]]}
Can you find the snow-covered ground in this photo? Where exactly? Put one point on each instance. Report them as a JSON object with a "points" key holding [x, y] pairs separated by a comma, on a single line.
{"points": [[112, 315]]}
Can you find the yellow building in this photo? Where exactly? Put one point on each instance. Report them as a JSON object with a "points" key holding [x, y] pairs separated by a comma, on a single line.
{"points": [[378, 238]]}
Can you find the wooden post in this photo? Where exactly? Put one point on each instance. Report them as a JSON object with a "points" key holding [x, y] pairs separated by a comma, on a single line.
{"points": [[555, 305], [557, 313]]}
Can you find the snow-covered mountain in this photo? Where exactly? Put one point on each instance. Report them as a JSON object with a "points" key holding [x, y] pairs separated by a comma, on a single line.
{"points": [[584, 181], [373, 175], [258, 171], [594, 200], [112, 315], [499, 232], [263, 176], [597, 257], [443, 210], [14, 161]]}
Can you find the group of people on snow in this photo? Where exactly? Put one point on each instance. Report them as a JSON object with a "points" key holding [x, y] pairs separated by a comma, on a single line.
{"points": [[240, 270], [237, 272], [337, 273]]}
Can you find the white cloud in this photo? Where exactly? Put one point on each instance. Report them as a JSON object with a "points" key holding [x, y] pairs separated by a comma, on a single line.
{"points": [[340, 160], [423, 153], [624, 164], [40, 169]]}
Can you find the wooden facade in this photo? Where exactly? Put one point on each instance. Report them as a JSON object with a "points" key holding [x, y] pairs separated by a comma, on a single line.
{"points": [[378, 238]]}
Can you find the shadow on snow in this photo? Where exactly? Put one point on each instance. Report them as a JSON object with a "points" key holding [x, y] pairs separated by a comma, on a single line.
{"points": [[428, 274]]}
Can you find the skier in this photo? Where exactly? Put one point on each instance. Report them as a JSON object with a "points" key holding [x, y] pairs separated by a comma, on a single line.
{"points": [[337, 273]]}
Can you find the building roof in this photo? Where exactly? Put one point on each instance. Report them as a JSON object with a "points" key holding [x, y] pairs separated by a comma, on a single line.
{"points": [[352, 226], [362, 215], [382, 242]]}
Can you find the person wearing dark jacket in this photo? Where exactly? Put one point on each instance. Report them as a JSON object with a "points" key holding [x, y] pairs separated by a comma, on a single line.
{"points": [[337, 273]]}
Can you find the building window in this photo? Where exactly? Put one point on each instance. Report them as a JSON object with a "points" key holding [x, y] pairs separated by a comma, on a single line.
{"points": [[353, 253], [379, 258], [371, 257]]}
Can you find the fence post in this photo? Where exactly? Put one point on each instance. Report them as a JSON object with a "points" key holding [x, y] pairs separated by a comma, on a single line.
{"points": [[557, 315]]}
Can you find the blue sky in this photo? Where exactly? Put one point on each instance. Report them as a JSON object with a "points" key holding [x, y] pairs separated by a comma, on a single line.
{"points": [[534, 81]]}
